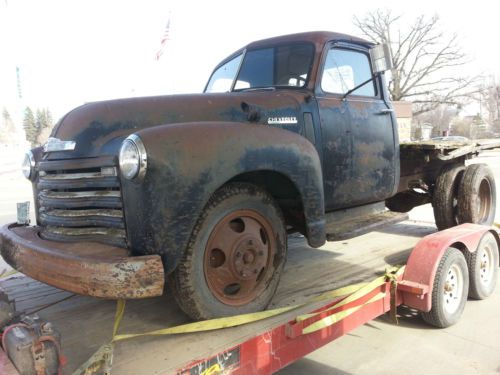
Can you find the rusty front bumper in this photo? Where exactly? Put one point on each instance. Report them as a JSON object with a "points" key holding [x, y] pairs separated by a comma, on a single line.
{"points": [[84, 268]]}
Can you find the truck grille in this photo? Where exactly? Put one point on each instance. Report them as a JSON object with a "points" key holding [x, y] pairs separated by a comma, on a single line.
{"points": [[80, 200]]}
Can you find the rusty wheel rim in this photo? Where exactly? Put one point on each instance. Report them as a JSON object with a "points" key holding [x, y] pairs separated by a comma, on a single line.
{"points": [[238, 257]]}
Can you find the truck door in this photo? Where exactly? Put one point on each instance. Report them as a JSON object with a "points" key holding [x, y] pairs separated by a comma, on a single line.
{"points": [[358, 138]]}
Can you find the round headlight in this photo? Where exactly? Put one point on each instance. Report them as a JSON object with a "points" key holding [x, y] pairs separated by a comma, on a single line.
{"points": [[133, 158], [28, 166]]}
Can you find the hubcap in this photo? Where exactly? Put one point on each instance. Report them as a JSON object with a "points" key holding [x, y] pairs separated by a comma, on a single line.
{"points": [[486, 265], [453, 289], [238, 258]]}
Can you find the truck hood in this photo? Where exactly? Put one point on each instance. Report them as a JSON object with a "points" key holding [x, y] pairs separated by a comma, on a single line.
{"points": [[99, 128]]}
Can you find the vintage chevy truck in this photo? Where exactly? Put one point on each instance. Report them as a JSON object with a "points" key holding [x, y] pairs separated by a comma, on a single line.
{"points": [[292, 134]]}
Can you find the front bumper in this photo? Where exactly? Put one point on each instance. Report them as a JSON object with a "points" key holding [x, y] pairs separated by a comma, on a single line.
{"points": [[86, 268]]}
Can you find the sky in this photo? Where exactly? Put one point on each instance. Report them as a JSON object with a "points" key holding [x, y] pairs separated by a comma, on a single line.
{"points": [[74, 51]]}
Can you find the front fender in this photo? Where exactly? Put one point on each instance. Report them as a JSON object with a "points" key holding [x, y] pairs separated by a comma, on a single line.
{"points": [[187, 163]]}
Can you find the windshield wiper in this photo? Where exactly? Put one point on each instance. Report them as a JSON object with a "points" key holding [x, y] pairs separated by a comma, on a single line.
{"points": [[357, 87]]}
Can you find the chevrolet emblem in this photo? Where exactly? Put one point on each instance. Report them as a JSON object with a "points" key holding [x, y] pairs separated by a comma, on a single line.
{"points": [[54, 144]]}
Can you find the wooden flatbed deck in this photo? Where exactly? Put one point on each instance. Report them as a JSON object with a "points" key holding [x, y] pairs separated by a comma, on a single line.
{"points": [[86, 323]]}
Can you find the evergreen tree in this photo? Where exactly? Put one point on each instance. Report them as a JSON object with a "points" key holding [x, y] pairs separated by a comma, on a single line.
{"points": [[30, 127], [39, 121], [44, 125], [48, 121]]}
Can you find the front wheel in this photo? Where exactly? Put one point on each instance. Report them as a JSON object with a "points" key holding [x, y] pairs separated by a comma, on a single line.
{"points": [[449, 291], [235, 257]]}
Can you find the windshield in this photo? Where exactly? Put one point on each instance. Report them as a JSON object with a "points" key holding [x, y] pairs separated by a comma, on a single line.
{"points": [[285, 65]]}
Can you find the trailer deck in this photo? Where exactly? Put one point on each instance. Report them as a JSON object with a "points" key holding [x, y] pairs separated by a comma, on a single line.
{"points": [[86, 323]]}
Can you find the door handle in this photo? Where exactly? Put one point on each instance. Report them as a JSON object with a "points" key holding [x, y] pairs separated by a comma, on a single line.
{"points": [[385, 111]]}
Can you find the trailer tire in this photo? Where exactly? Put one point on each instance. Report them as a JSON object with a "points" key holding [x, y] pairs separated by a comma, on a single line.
{"points": [[235, 257], [477, 203], [449, 291], [483, 267], [445, 196]]}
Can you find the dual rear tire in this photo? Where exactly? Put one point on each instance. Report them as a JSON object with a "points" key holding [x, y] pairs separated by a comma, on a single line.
{"points": [[464, 195]]}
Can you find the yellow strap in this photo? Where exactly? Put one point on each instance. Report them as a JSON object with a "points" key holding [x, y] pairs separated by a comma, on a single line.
{"points": [[98, 361], [393, 276], [337, 317], [215, 369], [120, 309], [209, 325], [103, 355], [237, 320], [6, 273], [364, 290]]}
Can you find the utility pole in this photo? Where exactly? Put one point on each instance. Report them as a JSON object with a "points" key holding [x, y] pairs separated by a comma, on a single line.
{"points": [[18, 79]]}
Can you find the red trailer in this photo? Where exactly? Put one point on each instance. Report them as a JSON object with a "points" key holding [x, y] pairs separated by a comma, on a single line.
{"points": [[443, 270]]}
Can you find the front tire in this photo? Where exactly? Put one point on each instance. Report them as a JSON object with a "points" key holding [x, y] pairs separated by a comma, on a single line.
{"points": [[235, 256], [449, 291]]}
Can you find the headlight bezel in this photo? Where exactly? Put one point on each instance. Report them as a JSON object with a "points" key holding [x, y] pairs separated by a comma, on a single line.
{"points": [[30, 174], [142, 159]]}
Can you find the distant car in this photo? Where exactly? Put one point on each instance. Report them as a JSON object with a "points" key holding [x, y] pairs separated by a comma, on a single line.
{"points": [[452, 138]]}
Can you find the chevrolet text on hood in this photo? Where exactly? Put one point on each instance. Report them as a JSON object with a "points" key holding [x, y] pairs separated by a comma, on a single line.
{"points": [[292, 134]]}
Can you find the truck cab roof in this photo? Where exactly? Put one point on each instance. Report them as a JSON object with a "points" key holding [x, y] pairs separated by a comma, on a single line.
{"points": [[318, 38]]}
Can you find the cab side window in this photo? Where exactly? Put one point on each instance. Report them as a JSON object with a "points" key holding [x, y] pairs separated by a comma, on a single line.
{"points": [[345, 69]]}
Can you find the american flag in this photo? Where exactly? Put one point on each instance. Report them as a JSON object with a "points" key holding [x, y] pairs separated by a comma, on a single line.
{"points": [[164, 39]]}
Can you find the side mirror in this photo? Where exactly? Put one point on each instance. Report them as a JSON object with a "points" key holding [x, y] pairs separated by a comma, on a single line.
{"points": [[380, 56]]}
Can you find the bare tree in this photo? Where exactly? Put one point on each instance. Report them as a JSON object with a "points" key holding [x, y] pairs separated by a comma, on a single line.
{"points": [[489, 102], [425, 60], [440, 118]]}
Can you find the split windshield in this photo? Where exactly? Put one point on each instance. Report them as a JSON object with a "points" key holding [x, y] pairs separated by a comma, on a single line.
{"points": [[280, 66]]}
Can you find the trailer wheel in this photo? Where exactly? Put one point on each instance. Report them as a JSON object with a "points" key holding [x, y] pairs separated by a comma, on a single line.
{"points": [[450, 289], [477, 203], [445, 196], [235, 257], [483, 267]]}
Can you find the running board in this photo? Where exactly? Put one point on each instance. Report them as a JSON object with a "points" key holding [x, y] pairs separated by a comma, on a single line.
{"points": [[337, 230]]}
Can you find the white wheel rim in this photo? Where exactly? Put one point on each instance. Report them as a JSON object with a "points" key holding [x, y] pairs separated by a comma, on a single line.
{"points": [[485, 258], [453, 289]]}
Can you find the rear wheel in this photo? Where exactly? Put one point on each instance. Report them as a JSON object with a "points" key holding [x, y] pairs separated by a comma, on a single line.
{"points": [[235, 257], [449, 291], [483, 267], [445, 196], [477, 202]]}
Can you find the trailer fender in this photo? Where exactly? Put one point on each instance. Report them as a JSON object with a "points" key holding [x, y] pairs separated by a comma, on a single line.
{"points": [[418, 278]]}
